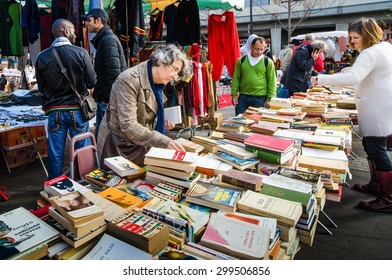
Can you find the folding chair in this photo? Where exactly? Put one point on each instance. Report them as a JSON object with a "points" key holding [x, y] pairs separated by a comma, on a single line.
{"points": [[86, 157]]}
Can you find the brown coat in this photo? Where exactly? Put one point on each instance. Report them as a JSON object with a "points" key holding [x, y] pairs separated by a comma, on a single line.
{"points": [[133, 111]]}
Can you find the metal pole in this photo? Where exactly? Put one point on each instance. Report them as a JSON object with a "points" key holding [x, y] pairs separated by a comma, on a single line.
{"points": [[251, 18]]}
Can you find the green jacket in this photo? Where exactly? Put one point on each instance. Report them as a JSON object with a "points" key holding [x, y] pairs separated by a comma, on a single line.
{"points": [[256, 80]]}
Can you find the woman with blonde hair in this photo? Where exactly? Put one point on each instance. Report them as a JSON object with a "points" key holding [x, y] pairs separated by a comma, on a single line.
{"points": [[371, 74]]}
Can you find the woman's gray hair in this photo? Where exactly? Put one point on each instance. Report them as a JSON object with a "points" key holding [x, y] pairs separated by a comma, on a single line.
{"points": [[167, 55], [318, 44]]}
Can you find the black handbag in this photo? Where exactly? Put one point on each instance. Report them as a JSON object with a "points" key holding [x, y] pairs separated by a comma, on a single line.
{"points": [[88, 106]]}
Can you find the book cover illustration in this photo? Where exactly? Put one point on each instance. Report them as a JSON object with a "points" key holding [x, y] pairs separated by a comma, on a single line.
{"points": [[62, 185], [123, 166], [74, 205], [21, 231], [104, 178]]}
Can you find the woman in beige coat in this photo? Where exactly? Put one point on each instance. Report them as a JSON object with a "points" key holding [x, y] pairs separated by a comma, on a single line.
{"points": [[134, 121]]}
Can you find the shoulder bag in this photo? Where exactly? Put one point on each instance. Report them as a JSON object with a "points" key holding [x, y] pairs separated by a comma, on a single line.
{"points": [[88, 106]]}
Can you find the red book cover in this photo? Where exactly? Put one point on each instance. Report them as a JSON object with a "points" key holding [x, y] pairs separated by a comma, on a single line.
{"points": [[269, 142]]}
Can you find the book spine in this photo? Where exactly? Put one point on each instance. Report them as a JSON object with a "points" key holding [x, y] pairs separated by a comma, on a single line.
{"points": [[267, 156]]}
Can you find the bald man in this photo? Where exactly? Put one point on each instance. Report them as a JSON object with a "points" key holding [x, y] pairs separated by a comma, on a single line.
{"points": [[60, 102]]}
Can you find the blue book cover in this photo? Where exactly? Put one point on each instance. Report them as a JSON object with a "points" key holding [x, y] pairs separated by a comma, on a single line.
{"points": [[237, 160]]}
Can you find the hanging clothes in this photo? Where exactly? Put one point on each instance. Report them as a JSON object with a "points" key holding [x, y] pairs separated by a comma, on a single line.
{"points": [[46, 20], [10, 29], [131, 26], [156, 26], [188, 23], [170, 19], [31, 19], [223, 43]]}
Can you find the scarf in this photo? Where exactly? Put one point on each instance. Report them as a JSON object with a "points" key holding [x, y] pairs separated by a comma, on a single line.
{"points": [[61, 41], [158, 92]]}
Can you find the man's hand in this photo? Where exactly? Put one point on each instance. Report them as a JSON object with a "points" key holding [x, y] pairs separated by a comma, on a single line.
{"points": [[267, 104], [174, 145], [234, 101], [169, 125]]}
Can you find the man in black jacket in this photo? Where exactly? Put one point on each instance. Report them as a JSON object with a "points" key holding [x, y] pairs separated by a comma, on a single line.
{"points": [[60, 102], [109, 59]]}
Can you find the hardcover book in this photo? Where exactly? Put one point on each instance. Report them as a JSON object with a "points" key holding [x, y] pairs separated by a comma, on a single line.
{"points": [[61, 185], [75, 205], [239, 238], [123, 167], [269, 143], [214, 196], [103, 178], [285, 211], [21, 232], [241, 180], [111, 248]]}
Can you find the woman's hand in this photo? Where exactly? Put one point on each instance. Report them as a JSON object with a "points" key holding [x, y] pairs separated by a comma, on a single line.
{"points": [[175, 145], [169, 125]]}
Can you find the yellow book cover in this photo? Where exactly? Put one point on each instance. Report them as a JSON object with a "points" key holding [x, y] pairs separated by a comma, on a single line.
{"points": [[121, 198]]}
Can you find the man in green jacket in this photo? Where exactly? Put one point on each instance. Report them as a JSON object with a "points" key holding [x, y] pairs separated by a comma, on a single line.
{"points": [[254, 81]]}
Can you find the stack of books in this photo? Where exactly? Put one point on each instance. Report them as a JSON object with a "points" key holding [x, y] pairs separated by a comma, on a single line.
{"points": [[277, 103], [230, 126], [208, 143], [140, 231], [184, 218], [269, 148]]}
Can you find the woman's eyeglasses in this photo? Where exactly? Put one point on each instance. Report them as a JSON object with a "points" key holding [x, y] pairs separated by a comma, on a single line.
{"points": [[176, 74]]}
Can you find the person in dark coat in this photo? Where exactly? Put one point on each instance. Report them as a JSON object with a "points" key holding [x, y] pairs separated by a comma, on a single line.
{"points": [[296, 78], [109, 60], [60, 102]]}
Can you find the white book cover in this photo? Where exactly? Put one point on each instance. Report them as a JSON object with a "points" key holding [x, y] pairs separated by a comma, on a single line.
{"points": [[122, 166], [21, 231], [173, 114], [62, 185], [236, 235], [168, 154], [236, 151], [287, 183], [318, 153], [270, 223], [290, 134], [323, 140], [111, 248]]}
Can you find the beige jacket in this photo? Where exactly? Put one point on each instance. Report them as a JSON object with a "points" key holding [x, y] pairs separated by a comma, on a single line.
{"points": [[133, 110]]}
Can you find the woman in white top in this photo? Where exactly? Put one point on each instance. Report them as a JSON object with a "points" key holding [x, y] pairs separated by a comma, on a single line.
{"points": [[371, 74]]}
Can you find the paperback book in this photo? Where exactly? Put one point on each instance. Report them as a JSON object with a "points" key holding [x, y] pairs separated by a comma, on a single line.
{"points": [[21, 232], [240, 238], [103, 178], [123, 167], [61, 185], [216, 197]]}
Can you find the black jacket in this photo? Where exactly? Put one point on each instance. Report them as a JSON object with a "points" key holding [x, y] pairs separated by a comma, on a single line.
{"points": [[52, 83], [298, 73], [109, 62]]}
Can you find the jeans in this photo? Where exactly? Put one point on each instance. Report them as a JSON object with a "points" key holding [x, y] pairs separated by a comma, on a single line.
{"points": [[59, 123], [244, 101], [376, 150], [101, 109]]}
